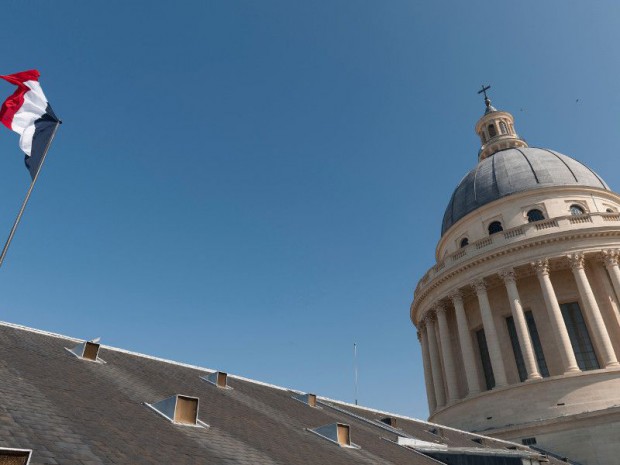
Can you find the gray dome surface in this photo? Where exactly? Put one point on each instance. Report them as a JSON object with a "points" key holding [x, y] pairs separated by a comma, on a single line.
{"points": [[515, 170]]}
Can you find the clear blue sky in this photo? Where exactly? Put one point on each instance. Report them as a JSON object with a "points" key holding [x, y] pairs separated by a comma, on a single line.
{"points": [[255, 186]]}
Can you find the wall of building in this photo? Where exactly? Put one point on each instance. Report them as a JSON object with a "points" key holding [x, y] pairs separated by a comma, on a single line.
{"points": [[586, 439]]}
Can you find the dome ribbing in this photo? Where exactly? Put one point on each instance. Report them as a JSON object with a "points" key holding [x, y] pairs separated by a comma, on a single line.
{"points": [[515, 170]]}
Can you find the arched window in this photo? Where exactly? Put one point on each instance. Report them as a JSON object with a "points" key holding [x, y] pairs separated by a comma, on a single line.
{"points": [[576, 210], [464, 242], [502, 128], [535, 215], [495, 227], [492, 131], [610, 210]]}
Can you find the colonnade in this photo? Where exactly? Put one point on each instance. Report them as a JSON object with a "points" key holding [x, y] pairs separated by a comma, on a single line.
{"points": [[437, 339]]}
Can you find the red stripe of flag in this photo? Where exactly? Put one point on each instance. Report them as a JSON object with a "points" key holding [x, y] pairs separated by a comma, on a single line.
{"points": [[15, 101]]}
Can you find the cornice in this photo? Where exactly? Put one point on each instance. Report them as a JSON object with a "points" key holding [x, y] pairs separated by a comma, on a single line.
{"points": [[532, 243]]}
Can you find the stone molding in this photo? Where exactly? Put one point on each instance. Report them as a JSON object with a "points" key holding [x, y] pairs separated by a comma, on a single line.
{"points": [[423, 292]]}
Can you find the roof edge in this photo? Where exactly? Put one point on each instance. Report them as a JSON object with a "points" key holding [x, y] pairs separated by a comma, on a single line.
{"points": [[240, 378]]}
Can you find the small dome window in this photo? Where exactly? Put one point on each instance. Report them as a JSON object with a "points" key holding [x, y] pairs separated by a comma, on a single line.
{"points": [[495, 227], [464, 242], [535, 215], [502, 128], [576, 210], [492, 131], [610, 210]]}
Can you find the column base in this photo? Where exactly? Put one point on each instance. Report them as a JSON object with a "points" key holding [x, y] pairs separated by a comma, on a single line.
{"points": [[572, 370], [612, 365], [533, 377]]}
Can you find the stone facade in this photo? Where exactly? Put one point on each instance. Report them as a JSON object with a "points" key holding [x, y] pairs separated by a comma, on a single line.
{"points": [[519, 320]]}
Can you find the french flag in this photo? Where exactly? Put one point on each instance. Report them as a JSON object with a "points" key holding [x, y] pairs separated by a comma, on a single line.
{"points": [[28, 113]]}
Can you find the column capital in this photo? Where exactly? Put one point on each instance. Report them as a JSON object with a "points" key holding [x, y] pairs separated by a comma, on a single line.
{"points": [[456, 296], [508, 275], [576, 260], [610, 257], [479, 285], [541, 267], [440, 309], [430, 317]]}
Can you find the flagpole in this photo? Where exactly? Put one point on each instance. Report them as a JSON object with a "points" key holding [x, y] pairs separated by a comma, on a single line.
{"points": [[25, 202]]}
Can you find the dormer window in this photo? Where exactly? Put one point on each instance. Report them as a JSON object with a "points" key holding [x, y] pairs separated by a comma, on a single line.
{"points": [[576, 210], [535, 215], [464, 242], [495, 227], [502, 128], [492, 131]]}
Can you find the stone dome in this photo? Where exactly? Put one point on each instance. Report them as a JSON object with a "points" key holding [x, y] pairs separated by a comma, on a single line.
{"points": [[515, 170]]}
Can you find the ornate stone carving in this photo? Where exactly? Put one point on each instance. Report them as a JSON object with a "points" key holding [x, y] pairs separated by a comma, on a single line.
{"points": [[430, 317], [508, 275], [479, 286], [541, 266], [440, 308], [456, 296], [576, 260], [610, 257]]}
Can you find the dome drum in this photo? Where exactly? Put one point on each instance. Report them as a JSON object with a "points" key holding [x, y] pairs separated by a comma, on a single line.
{"points": [[519, 319]]}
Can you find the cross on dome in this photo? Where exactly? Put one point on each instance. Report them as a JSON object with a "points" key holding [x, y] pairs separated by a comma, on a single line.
{"points": [[487, 100]]}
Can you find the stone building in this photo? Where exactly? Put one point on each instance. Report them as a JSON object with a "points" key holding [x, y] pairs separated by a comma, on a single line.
{"points": [[519, 319]]}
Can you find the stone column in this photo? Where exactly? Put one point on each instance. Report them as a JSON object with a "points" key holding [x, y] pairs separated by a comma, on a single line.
{"points": [[433, 352], [467, 348], [446, 352], [560, 333], [428, 375], [577, 262], [610, 258], [523, 333], [495, 353]]}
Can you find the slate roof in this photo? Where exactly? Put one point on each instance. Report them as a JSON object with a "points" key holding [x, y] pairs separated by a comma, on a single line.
{"points": [[515, 170], [75, 412]]}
